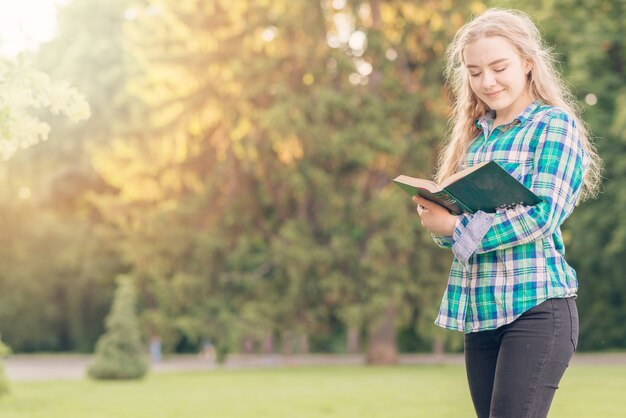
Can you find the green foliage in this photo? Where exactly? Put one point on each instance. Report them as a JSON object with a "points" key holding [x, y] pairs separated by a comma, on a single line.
{"points": [[46, 188], [67, 278], [23, 90], [289, 221], [119, 352], [24, 95]]}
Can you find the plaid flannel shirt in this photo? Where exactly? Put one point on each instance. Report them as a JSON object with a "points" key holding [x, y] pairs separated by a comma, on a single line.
{"points": [[510, 261]]}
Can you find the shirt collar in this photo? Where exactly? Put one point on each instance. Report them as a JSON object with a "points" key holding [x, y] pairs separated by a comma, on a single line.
{"points": [[490, 115]]}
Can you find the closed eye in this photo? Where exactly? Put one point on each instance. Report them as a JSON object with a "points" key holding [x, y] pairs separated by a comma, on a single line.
{"points": [[475, 74], [499, 70]]}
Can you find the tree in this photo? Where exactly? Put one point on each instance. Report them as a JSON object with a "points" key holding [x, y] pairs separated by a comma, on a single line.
{"points": [[45, 203], [28, 99], [25, 89], [119, 352], [259, 179]]}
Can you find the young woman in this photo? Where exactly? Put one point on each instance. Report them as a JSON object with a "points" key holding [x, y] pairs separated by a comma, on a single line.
{"points": [[510, 289]]}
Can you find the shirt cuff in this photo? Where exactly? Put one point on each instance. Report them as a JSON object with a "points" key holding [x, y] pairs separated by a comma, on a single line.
{"points": [[445, 241], [468, 233]]}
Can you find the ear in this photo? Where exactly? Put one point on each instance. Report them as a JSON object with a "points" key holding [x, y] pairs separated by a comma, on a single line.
{"points": [[528, 66]]}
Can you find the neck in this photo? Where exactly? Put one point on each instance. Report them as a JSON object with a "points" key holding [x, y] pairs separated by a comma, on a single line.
{"points": [[513, 111]]}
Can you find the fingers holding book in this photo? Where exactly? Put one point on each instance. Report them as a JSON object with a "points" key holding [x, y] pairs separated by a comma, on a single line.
{"points": [[423, 204], [436, 219]]}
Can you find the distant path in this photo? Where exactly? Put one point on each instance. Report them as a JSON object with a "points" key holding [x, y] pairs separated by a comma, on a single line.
{"points": [[73, 366]]}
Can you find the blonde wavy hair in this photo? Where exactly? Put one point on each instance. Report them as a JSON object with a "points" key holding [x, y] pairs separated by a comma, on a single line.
{"points": [[544, 83]]}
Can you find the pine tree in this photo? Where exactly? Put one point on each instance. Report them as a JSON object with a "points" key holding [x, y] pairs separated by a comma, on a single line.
{"points": [[119, 352]]}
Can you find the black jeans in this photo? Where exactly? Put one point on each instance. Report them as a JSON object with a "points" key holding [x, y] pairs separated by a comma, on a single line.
{"points": [[514, 371]]}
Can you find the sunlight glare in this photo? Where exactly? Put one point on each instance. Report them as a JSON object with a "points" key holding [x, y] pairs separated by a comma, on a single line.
{"points": [[25, 24]]}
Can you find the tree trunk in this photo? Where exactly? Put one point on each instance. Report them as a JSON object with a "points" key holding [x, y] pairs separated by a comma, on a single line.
{"points": [[382, 346], [287, 341], [353, 340], [438, 346], [303, 344], [268, 344]]}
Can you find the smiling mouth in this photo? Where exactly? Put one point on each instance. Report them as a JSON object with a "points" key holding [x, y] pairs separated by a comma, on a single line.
{"points": [[494, 94]]}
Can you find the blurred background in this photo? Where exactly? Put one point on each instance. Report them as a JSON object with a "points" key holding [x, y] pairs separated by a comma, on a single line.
{"points": [[234, 157]]}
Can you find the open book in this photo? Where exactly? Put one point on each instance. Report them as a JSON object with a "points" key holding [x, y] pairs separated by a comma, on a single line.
{"points": [[485, 186]]}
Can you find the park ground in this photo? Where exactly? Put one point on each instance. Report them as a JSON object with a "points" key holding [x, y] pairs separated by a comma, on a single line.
{"points": [[296, 386], [73, 366]]}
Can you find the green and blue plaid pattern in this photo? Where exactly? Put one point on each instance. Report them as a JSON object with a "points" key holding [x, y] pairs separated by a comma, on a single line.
{"points": [[510, 261]]}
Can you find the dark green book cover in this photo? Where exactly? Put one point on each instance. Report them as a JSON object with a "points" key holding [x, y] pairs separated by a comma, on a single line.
{"points": [[485, 187]]}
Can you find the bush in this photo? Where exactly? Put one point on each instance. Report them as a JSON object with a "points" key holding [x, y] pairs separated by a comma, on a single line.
{"points": [[4, 381], [119, 351]]}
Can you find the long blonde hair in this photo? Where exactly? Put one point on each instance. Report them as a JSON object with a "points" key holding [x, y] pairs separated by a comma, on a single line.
{"points": [[544, 83]]}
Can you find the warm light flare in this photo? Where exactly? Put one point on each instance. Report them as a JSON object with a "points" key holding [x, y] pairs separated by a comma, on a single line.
{"points": [[25, 24]]}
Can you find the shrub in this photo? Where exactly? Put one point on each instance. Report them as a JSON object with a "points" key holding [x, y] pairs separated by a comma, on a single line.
{"points": [[4, 381], [119, 351]]}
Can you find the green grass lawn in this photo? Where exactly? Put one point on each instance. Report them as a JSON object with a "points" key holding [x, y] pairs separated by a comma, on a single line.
{"points": [[302, 392]]}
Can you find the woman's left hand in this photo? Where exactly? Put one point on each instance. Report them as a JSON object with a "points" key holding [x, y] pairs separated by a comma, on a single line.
{"points": [[436, 219]]}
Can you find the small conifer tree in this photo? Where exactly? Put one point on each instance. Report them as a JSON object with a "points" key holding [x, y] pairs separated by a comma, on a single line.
{"points": [[4, 381], [119, 351]]}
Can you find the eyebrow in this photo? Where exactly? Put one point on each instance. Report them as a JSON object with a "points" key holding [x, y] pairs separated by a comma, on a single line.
{"points": [[490, 64]]}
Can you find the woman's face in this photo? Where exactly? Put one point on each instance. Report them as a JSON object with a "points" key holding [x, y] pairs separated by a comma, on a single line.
{"points": [[497, 75]]}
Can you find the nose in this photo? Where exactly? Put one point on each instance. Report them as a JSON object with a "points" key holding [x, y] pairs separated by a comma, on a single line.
{"points": [[489, 79]]}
